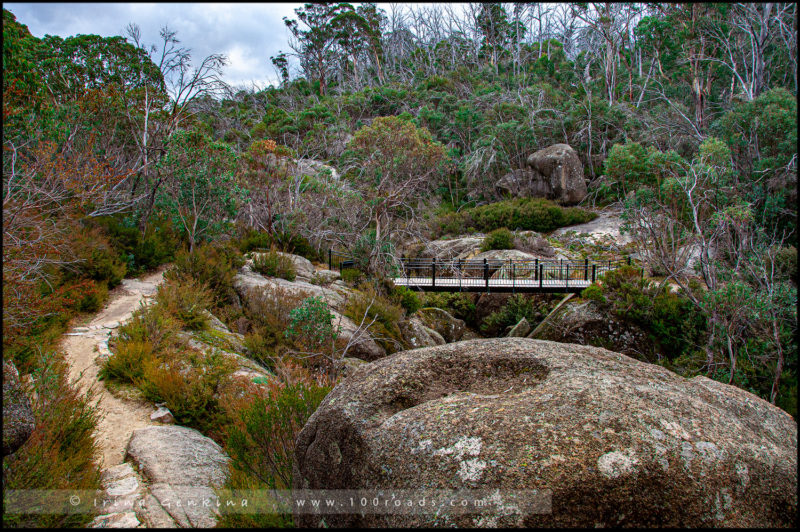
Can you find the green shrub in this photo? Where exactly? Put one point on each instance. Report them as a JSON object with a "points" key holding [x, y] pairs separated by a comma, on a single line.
{"points": [[214, 264], [352, 275], [188, 382], [533, 214], [187, 299], [253, 240], [498, 239], [274, 264], [593, 292], [516, 308], [126, 363], [149, 324], [458, 304], [311, 325], [367, 301], [406, 298], [261, 442], [59, 454]]}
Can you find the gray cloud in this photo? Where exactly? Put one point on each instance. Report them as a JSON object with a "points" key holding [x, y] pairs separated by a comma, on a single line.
{"points": [[248, 34]]}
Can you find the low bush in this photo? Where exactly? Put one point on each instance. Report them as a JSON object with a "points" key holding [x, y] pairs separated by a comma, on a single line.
{"points": [[127, 362], [516, 308], [59, 454], [187, 300], [188, 382], [214, 264], [593, 292], [406, 298], [274, 264], [261, 440], [381, 312], [459, 305], [498, 239], [533, 214], [352, 276]]}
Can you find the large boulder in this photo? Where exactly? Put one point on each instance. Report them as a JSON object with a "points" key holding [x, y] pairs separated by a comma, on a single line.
{"points": [[18, 420], [586, 323], [605, 439], [181, 465], [444, 323], [416, 334], [462, 247], [555, 173]]}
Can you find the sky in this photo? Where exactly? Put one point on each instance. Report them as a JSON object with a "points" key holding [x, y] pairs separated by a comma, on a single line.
{"points": [[248, 34]]}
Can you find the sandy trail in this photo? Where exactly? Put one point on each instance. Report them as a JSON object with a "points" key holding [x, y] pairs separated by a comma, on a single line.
{"points": [[83, 347]]}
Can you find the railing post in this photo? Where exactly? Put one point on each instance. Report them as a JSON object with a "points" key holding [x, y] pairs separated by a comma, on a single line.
{"points": [[536, 269], [541, 267], [561, 268], [433, 276], [513, 277], [330, 259], [594, 272], [629, 260], [586, 272], [567, 279], [486, 272]]}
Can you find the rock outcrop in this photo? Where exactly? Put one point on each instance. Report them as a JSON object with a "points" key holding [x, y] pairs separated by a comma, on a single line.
{"points": [[605, 439], [180, 465], [584, 322], [554, 173], [18, 420], [248, 283], [417, 334], [444, 323]]}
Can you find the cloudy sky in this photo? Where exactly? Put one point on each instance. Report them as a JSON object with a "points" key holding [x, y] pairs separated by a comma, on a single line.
{"points": [[248, 34]]}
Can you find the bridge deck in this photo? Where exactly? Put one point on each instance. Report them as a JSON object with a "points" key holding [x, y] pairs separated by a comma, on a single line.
{"points": [[426, 284]]}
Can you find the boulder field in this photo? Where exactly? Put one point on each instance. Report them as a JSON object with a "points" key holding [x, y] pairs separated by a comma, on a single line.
{"points": [[610, 440]]}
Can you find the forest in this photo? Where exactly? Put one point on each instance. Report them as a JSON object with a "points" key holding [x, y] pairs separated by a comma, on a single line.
{"points": [[390, 128]]}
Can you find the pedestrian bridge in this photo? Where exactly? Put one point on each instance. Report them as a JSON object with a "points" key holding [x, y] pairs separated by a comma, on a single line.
{"points": [[487, 275]]}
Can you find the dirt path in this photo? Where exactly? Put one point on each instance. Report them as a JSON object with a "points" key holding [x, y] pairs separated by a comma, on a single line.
{"points": [[84, 348]]}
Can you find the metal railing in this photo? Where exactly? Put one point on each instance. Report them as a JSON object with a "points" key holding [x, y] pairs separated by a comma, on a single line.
{"points": [[486, 274]]}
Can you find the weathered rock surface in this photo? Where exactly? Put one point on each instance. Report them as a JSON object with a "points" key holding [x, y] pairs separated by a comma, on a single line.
{"points": [[520, 330], [584, 322], [362, 345], [444, 323], [247, 283], [349, 365], [180, 464], [162, 415], [416, 334], [18, 420], [616, 441], [315, 168], [462, 247], [247, 279], [554, 173]]}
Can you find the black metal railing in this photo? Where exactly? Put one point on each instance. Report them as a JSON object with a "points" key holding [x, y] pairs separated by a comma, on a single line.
{"points": [[486, 274]]}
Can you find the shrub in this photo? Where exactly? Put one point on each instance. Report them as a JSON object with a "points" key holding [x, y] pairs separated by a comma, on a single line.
{"points": [[517, 307], [188, 385], [127, 362], [352, 275], [149, 324], [187, 299], [255, 240], [92, 298], [498, 239], [367, 301], [593, 292], [269, 313], [534, 214], [406, 298], [212, 264], [312, 324], [459, 305], [274, 264], [59, 453], [261, 441]]}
